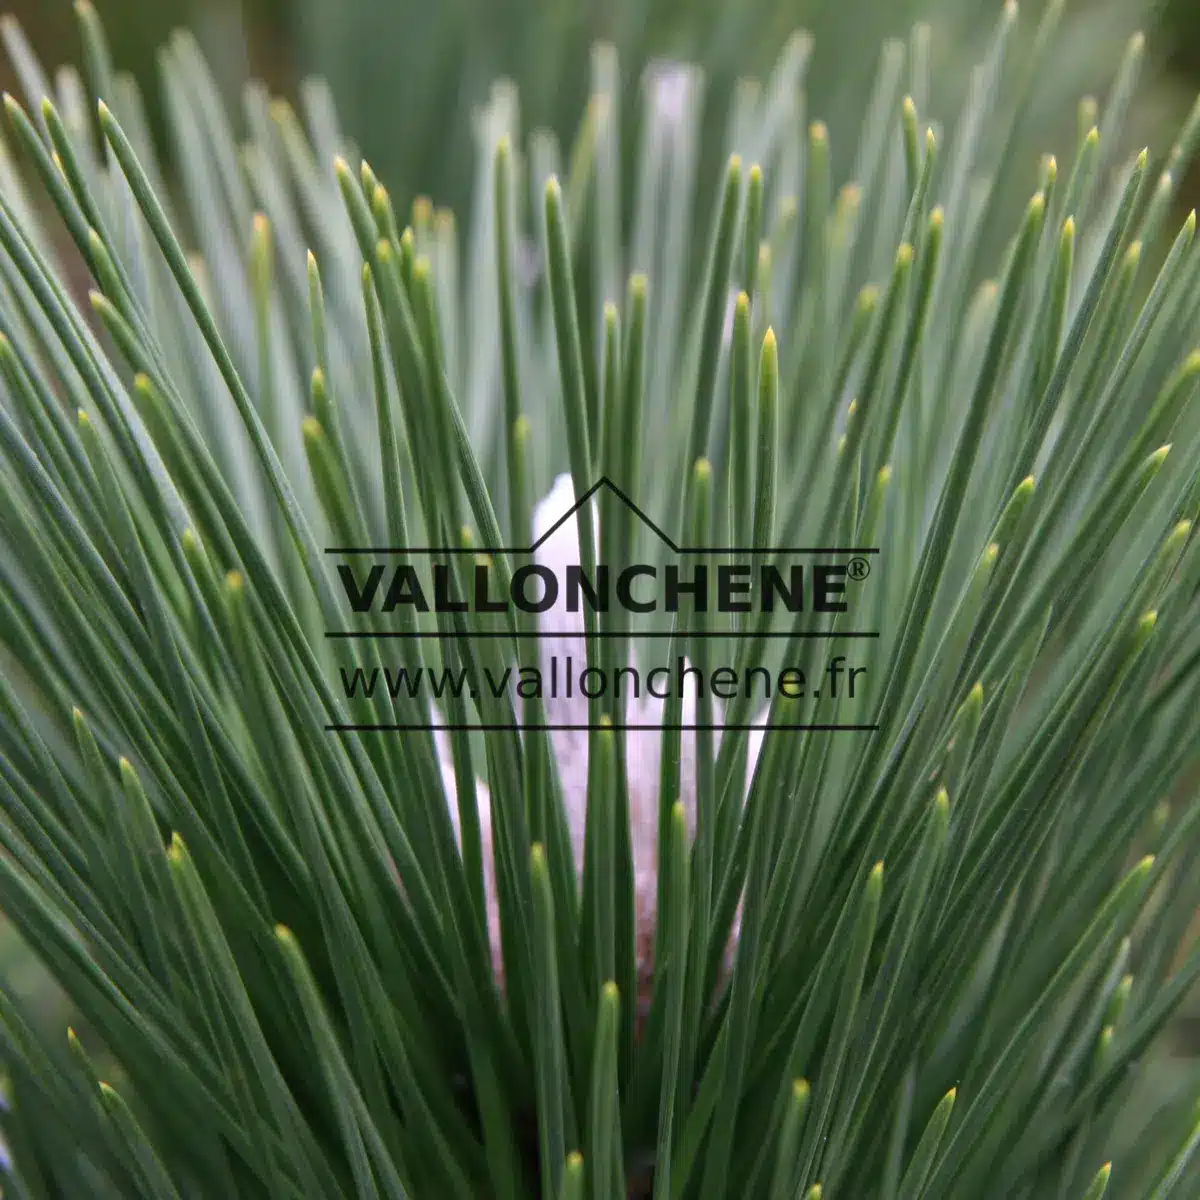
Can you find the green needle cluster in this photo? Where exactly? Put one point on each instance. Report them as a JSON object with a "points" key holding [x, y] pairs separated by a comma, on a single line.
{"points": [[931, 959]]}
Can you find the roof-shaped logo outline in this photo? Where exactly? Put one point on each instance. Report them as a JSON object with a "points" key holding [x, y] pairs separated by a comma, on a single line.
{"points": [[656, 529]]}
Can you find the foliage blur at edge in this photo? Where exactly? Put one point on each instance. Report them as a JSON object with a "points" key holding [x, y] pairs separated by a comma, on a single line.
{"points": [[408, 77]]}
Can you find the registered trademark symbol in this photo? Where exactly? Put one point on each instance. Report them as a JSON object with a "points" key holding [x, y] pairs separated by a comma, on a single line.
{"points": [[858, 568]]}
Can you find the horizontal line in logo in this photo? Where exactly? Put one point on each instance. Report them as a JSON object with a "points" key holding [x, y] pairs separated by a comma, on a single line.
{"points": [[830, 550], [661, 635], [348, 728]]}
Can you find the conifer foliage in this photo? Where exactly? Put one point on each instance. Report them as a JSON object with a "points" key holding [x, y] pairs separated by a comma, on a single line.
{"points": [[930, 959]]}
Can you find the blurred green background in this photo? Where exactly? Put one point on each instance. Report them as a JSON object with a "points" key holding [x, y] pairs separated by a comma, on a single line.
{"points": [[407, 74]]}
